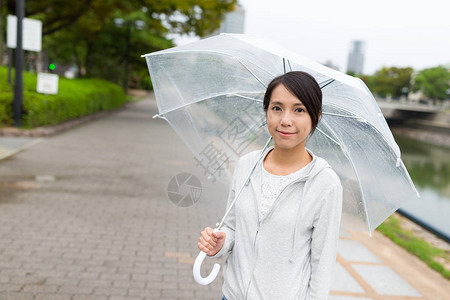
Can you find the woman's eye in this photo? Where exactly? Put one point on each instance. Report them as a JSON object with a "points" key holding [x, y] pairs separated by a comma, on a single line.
{"points": [[276, 108], [299, 110]]}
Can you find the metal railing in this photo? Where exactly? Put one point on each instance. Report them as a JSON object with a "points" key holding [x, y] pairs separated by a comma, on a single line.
{"points": [[439, 233]]}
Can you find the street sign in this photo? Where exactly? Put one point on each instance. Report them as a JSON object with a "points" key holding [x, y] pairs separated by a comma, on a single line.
{"points": [[47, 83], [31, 34]]}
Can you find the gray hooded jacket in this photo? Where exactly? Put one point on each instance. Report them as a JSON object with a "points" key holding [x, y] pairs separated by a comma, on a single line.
{"points": [[289, 254]]}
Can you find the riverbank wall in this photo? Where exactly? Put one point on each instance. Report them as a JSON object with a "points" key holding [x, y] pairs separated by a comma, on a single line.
{"points": [[435, 131]]}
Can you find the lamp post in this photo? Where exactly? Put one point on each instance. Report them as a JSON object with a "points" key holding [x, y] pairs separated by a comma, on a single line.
{"points": [[138, 24]]}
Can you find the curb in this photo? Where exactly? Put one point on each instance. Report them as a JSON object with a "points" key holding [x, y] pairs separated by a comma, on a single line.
{"points": [[47, 131], [21, 148]]}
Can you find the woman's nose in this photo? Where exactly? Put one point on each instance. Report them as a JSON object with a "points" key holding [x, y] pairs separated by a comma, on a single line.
{"points": [[286, 119]]}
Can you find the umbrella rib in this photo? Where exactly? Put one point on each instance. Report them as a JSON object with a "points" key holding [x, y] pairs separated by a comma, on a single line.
{"points": [[327, 82], [200, 100], [216, 52], [249, 98], [339, 115], [284, 65], [358, 179], [219, 225], [256, 77], [329, 137], [347, 111], [361, 119], [404, 173]]}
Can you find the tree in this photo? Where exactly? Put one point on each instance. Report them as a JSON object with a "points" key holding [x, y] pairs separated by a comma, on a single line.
{"points": [[351, 73], [97, 46], [433, 82], [367, 79], [193, 16], [200, 17], [391, 81], [58, 15]]}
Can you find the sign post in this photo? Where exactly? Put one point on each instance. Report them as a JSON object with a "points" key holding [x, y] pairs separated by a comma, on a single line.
{"points": [[18, 87], [22, 34], [1, 30]]}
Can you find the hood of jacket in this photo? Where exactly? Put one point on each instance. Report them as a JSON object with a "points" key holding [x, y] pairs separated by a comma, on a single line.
{"points": [[309, 171]]}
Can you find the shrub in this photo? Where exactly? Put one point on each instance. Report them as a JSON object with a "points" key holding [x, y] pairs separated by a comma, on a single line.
{"points": [[6, 97], [75, 98]]}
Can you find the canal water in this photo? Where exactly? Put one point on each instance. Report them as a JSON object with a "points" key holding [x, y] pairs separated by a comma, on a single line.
{"points": [[429, 168]]}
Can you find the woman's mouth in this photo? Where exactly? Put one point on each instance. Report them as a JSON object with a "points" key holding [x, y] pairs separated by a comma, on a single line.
{"points": [[285, 134]]}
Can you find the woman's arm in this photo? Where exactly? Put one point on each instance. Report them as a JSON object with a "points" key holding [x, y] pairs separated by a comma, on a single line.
{"points": [[324, 242]]}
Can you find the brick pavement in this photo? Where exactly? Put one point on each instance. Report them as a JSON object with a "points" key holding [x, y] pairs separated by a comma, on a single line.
{"points": [[85, 215]]}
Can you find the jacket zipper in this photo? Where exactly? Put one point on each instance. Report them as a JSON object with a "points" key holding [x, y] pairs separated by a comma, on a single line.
{"points": [[257, 231], [254, 266]]}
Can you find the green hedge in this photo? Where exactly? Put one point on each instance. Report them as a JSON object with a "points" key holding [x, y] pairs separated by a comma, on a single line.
{"points": [[75, 98], [5, 98]]}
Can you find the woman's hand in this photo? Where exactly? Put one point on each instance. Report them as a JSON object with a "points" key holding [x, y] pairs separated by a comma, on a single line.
{"points": [[211, 242]]}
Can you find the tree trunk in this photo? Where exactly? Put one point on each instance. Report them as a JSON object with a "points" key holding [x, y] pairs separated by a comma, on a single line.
{"points": [[87, 72], [78, 63]]}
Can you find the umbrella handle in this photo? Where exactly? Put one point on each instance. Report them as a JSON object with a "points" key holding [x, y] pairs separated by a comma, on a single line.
{"points": [[198, 264], [196, 270]]}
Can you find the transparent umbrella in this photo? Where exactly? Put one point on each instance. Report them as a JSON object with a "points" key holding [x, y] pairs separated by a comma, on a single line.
{"points": [[211, 93]]}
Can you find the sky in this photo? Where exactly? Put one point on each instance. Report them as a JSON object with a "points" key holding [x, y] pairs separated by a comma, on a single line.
{"points": [[399, 33]]}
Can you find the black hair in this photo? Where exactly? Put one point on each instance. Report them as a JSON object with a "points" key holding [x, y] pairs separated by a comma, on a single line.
{"points": [[303, 86]]}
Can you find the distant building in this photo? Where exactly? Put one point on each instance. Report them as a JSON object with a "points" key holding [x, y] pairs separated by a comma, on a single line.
{"points": [[234, 21], [356, 57], [331, 65]]}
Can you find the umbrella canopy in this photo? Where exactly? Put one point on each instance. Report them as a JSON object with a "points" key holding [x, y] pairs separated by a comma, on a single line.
{"points": [[211, 93]]}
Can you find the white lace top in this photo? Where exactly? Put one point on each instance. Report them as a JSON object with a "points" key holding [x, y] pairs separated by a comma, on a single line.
{"points": [[271, 187]]}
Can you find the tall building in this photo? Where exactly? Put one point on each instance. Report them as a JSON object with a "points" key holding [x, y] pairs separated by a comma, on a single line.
{"points": [[356, 57], [234, 21], [331, 65]]}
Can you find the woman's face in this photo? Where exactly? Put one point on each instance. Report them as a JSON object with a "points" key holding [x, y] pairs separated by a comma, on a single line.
{"points": [[288, 122]]}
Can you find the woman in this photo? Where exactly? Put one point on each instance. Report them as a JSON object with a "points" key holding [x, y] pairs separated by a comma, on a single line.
{"points": [[283, 231]]}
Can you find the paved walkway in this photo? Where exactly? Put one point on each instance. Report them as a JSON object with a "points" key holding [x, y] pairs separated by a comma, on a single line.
{"points": [[85, 215]]}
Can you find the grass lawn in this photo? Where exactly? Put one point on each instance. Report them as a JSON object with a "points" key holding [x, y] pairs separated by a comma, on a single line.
{"points": [[435, 258]]}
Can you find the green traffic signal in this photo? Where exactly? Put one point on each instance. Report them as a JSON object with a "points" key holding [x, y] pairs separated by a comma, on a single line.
{"points": [[52, 67]]}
